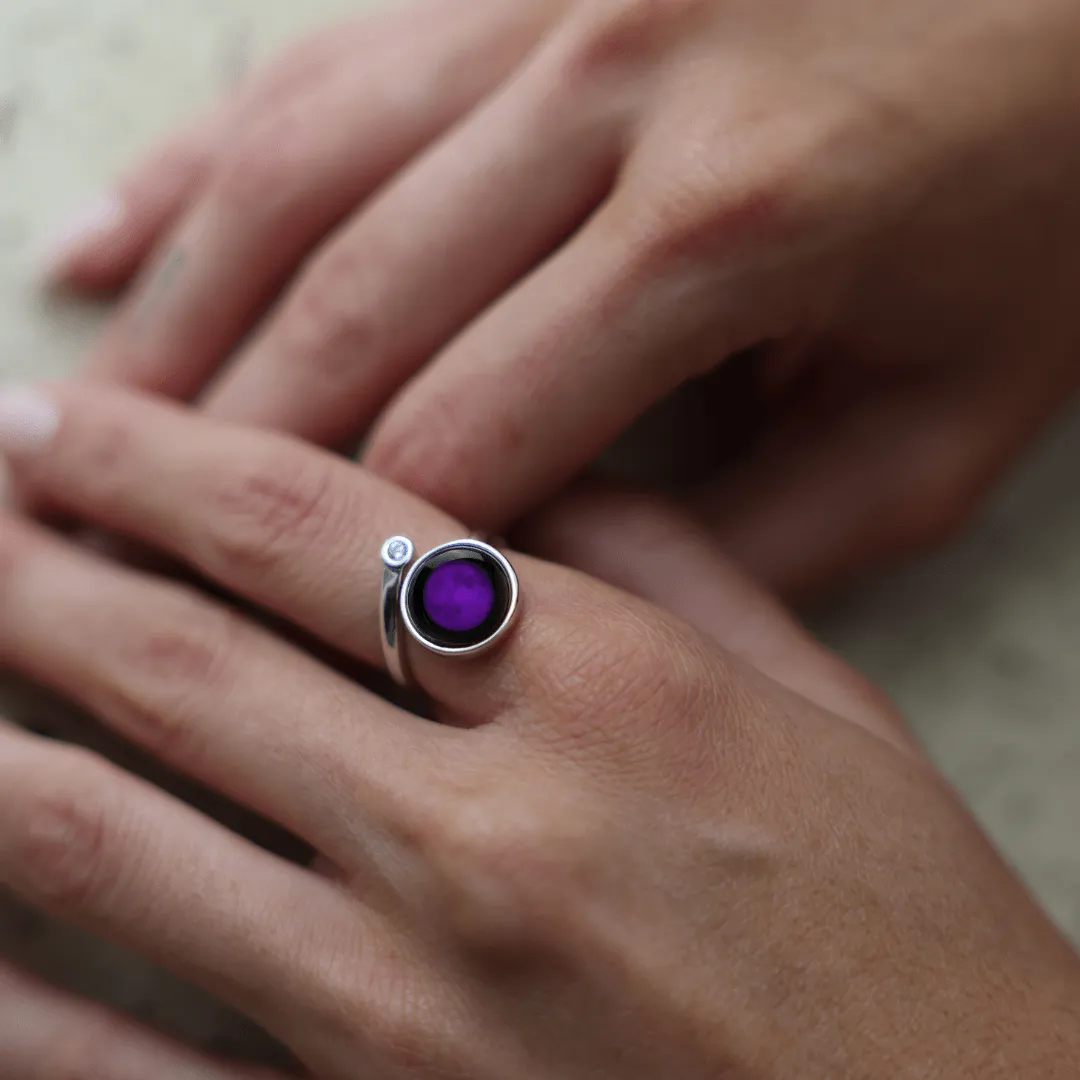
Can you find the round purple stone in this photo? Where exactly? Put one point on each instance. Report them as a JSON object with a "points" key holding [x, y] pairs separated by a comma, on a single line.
{"points": [[459, 595]]}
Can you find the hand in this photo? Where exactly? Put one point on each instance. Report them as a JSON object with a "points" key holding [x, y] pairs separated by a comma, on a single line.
{"points": [[629, 850], [506, 235]]}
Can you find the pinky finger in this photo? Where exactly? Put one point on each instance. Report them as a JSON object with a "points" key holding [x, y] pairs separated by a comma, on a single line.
{"points": [[103, 245], [46, 1034], [106, 242]]}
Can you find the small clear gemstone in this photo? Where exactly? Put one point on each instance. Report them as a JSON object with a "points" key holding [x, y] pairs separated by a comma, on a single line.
{"points": [[397, 550]]}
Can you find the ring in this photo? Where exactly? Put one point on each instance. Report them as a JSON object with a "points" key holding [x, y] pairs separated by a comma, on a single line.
{"points": [[458, 599]]}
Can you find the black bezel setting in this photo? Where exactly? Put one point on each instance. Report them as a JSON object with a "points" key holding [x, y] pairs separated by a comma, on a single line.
{"points": [[460, 642]]}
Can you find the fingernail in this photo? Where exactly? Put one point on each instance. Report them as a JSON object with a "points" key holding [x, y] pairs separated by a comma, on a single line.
{"points": [[28, 420], [90, 222]]}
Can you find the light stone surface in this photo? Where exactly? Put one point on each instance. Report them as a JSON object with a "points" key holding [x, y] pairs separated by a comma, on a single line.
{"points": [[977, 643]]}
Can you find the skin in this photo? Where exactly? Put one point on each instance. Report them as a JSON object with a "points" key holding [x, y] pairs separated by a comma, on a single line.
{"points": [[634, 847], [46, 1035], [492, 241]]}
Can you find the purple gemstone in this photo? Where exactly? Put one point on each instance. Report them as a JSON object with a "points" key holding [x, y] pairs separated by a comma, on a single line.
{"points": [[459, 595]]}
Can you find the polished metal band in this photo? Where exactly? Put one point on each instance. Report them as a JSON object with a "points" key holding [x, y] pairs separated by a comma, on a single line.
{"points": [[397, 554]]}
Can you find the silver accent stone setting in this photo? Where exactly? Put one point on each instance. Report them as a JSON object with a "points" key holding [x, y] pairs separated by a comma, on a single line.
{"points": [[397, 552]]}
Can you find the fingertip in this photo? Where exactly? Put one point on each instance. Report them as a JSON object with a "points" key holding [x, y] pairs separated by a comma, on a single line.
{"points": [[67, 252]]}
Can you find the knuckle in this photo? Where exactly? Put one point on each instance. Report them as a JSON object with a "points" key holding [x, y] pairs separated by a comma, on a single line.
{"points": [[617, 664], [698, 220], [105, 451], [721, 200], [511, 869], [267, 169], [177, 658], [267, 510], [60, 838], [332, 324], [621, 34]]}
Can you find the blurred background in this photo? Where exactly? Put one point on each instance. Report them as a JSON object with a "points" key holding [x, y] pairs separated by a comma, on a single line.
{"points": [[978, 644]]}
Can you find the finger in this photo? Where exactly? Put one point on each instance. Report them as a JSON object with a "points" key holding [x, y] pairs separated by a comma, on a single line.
{"points": [[541, 383], [287, 180], [93, 845], [107, 241], [211, 694], [656, 550], [48, 1035], [257, 512], [837, 492], [293, 528], [411, 270]]}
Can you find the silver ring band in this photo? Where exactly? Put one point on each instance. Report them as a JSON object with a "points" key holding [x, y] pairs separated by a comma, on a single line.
{"points": [[397, 554]]}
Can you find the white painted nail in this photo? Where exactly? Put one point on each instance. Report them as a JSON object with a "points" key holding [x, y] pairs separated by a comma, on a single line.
{"points": [[28, 420], [90, 222]]}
